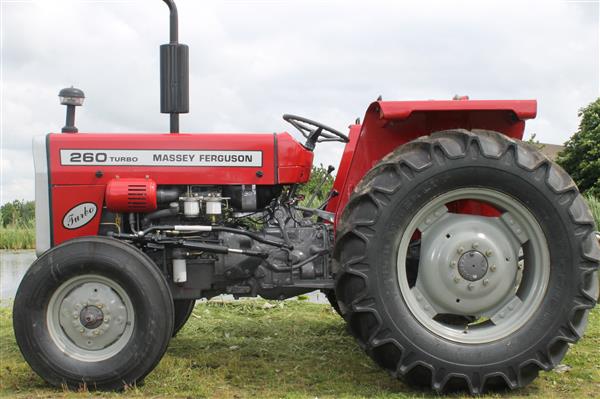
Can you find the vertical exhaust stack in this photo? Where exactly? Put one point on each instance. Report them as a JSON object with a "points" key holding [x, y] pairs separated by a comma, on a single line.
{"points": [[174, 73]]}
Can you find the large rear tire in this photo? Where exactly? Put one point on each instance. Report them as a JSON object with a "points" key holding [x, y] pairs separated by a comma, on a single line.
{"points": [[469, 302], [93, 312]]}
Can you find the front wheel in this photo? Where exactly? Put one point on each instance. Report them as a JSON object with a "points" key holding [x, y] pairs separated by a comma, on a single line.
{"points": [[183, 309], [93, 312], [466, 261]]}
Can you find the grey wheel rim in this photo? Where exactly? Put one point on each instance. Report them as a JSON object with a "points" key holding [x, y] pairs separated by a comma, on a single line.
{"points": [[90, 318], [479, 278]]}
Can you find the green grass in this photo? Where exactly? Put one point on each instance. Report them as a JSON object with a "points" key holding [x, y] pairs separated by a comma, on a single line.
{"points": [[594, 204], [17, 237], [293, 350]]}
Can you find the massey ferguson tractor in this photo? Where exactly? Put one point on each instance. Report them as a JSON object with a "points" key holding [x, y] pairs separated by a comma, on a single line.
{"points": [[459, 256]]}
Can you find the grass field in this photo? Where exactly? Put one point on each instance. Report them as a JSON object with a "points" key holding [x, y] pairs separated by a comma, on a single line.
{"points": [[295, 349], [13, 237]]}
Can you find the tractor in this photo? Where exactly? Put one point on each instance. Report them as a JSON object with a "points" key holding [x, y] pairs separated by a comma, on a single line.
{"points": [[459, 256]]}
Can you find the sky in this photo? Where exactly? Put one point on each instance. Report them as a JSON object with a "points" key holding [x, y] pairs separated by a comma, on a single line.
{"points": [[252, 61]]}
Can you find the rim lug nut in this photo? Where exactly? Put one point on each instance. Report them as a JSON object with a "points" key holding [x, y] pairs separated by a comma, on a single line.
{"points": [[460, 250], [453, 264], [486, 281], [493, 268], [475, 245], [488, 253], [520, 266], [81, 330], [470, 286], [456, 279]]}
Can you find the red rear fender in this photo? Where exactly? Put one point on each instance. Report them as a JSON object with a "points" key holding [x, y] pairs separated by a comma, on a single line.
{"points": [[390, 124]]}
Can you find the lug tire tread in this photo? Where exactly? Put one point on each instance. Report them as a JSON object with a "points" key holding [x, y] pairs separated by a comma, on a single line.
{"points": [[356, 294]]}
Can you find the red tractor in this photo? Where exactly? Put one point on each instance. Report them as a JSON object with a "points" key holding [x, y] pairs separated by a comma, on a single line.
{"points": [[459, 256]]}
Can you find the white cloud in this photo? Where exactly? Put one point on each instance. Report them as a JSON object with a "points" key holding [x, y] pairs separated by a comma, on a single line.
{"points": [[252, 61]]}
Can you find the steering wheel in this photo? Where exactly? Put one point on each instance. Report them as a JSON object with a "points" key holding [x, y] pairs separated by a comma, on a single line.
{"points": [[314, 132]]}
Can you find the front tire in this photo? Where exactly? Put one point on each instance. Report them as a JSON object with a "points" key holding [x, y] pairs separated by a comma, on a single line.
{"points": [[183, 309], [93, 312], [454, 301]]}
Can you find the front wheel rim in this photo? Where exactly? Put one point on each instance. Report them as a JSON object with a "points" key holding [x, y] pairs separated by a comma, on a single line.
{"points": [[479, 278], [90, 318]]}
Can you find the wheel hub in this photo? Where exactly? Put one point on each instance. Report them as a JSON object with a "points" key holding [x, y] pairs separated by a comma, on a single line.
{"points": [[479, 278], [472, 265], [468, 264], [91, 317]]}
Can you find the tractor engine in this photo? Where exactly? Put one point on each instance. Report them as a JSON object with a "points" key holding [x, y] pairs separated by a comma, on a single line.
{"points": [[244, 240], [217, 213]]}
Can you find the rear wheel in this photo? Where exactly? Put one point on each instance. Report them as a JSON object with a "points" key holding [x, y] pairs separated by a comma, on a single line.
{"points": [[466, 260], [330, 295], [93, 312]]}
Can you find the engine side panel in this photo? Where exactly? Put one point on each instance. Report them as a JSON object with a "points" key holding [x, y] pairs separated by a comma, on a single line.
{"points": [[390, 124], [261, 159], [80, 166]]}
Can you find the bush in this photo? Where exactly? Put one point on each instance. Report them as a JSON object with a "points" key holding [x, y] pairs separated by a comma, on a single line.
{"points": [[18, 213], [594, 204], [581, 156], [317, 175]]}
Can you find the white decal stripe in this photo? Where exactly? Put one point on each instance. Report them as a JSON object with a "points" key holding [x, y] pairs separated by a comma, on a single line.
{"points": [[74, 157]]}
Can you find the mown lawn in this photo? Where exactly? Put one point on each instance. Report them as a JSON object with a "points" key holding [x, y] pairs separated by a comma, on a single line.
{"points": [[294, 350]]}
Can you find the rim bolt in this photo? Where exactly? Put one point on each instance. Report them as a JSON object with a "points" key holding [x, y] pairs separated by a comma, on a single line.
{"points": [[486, 281], [453, 264], [475, 245], [460, 250], [488, 253], [99, 306], [470, 286], [96, 332], [456, 279], [493, 268], [81, 330], [520, 266]]}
